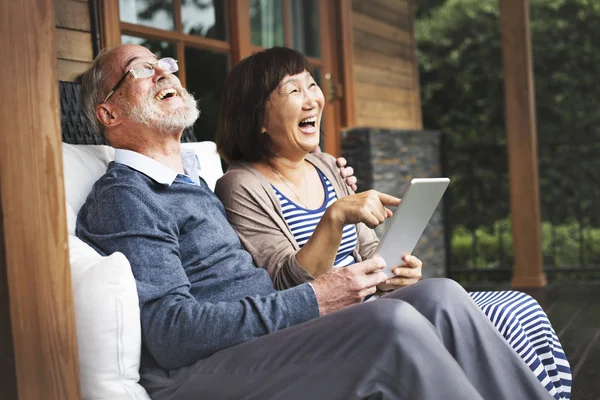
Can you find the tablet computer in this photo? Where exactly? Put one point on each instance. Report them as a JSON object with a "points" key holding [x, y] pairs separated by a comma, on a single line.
{"points": [[409, 220]]}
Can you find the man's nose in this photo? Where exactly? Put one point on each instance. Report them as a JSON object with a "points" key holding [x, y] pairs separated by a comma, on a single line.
{"points": [[160, 73]]}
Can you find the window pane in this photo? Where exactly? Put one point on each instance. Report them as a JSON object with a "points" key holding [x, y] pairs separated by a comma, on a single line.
{"points": [[266, 23], [158, 47], [204, 18], [305, 27], [205, 76], [153, 13]]}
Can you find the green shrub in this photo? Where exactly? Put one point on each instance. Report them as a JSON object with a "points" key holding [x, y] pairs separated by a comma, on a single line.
{"points": [[487, 248]]}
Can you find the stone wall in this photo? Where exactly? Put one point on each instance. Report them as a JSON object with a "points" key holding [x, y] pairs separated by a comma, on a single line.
{"points": [[386, 160]]}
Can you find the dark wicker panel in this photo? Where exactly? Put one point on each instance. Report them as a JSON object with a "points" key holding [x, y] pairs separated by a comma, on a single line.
{"points": [[75, 127]]}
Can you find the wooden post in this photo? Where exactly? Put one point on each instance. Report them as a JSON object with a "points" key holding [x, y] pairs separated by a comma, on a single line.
{"points": [[34, 259], [519, 99], [109, 23], [417, 114], [241, 46], [346, 56]]}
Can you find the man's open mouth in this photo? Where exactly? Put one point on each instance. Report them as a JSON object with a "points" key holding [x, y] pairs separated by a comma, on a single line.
{"points": [[165, 94]]}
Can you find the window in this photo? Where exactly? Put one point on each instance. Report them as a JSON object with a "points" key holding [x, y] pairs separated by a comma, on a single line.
{"points": [[207, 37]]}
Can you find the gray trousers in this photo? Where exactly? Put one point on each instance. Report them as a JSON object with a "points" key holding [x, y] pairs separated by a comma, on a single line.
{"points": [[425, 341]]}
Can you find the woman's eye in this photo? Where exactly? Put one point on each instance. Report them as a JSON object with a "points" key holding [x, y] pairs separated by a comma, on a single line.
{"points": [[312, 84], [294, 91]]}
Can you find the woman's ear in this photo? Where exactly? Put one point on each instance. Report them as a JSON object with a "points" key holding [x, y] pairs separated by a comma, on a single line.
{"points": [[108, 116]]}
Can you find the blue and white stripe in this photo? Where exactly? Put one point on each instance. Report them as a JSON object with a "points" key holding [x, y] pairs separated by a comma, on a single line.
{"points": [[303, 222], [526, 327]]}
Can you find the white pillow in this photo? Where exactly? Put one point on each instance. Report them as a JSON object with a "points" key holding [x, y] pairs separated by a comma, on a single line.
{"points": [[83, 165], [107, 312], [107, 319]]}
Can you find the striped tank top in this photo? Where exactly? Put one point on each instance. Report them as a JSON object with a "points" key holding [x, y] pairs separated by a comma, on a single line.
{"points": [[303, 222]]}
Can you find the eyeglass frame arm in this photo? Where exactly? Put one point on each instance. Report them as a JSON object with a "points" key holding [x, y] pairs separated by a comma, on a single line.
{"points": [[114, 89], [132, 71]]}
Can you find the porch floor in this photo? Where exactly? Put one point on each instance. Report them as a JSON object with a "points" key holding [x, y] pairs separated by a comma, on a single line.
{"points": [[574, 311]]}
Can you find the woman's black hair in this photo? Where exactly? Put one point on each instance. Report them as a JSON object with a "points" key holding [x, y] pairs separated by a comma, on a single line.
{"points": [[244, 100]]}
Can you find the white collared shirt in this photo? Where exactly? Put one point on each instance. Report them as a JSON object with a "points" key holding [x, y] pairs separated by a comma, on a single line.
{"points": [[157, 171]]}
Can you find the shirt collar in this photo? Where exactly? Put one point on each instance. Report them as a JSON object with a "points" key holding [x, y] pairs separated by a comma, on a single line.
{"points": [[157, 171]]}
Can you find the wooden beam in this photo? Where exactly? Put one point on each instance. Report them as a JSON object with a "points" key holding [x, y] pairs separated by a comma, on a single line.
{"points": [[346, 57], [180, 46], [35, 259], [172, 36], [8, 379], [74, 45], [109, 23], [330, 122], [287, 23], [368, 24], [239, 11], [417, 117], [522, 144], [72, 15], [69, 70]]}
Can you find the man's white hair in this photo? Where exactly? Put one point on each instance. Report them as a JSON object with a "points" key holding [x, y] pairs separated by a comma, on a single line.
{"points": [[93, 87]]}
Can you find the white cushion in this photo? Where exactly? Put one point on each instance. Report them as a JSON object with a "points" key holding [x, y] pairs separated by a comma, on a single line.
{"points": [[108, 324], [107, 312], [84, 164]]}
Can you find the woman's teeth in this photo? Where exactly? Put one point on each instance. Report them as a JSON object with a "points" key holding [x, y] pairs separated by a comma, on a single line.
{"points": [[311, 121]]}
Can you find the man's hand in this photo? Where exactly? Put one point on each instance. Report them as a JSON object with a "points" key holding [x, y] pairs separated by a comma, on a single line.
{"points": [[342, 287], [368, 207], [405, 275], [347, 173]]}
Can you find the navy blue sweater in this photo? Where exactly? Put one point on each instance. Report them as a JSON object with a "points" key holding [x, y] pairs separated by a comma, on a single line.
{"points": [[198, 288]]}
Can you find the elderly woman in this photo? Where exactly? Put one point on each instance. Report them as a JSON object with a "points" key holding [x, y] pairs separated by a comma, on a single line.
{"points": [[298, 219]]}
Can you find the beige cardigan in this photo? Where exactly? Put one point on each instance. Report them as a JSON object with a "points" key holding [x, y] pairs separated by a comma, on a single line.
{"points": [[255, 213]]}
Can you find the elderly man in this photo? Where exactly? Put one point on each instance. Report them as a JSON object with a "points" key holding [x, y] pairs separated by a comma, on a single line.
{"points": [[213, 327]]}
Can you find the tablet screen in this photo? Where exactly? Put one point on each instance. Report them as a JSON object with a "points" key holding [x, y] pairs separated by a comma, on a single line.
{"points": [[409, 220]]}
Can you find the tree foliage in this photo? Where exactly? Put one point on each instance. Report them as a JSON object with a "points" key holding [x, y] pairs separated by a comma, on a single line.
{"points": [[460, 60]]}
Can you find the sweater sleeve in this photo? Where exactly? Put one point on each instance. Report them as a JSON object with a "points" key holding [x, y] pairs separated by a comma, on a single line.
{"points": [[252, 214], [177, 328]]}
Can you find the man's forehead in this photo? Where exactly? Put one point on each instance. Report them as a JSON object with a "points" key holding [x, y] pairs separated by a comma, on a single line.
{"points": [[130, 54]]}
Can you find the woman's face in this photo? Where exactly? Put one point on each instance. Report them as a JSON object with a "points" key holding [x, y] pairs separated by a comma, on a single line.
{"points": [[293, 115]]}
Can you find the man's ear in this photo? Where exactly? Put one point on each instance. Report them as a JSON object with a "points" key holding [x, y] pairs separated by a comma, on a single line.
{"points": [[108, 115]]}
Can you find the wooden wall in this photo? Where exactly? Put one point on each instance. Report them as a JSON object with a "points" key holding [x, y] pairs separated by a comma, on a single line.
{"points": [[34, 257], [73, 38], [386, 85]]}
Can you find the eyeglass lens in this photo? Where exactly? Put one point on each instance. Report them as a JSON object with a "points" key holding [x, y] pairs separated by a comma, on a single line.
{"points": [[167, 64]]}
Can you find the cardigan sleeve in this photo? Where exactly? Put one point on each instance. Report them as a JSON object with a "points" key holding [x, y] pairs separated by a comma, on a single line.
{"points": [[252, 214]]}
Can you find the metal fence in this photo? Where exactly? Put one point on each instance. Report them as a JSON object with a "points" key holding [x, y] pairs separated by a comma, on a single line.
{"points": [[477, 211]]}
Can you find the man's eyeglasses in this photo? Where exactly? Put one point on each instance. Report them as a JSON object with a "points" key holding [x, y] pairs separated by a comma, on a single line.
{"points": [[145, 71]]}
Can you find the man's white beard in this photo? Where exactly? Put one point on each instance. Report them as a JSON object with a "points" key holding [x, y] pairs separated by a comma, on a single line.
{"points": [[150, 114]]}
